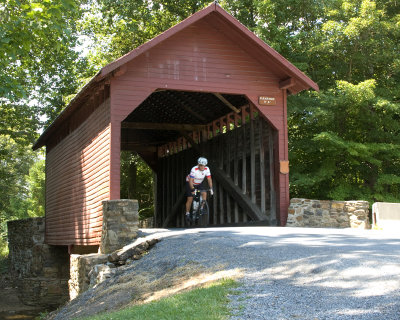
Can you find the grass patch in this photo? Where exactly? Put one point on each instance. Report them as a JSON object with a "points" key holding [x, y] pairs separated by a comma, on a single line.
{"points": [[210, 302]]}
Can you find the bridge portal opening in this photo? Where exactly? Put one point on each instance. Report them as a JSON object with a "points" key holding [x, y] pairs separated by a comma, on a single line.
{"points": [[171, 129]]}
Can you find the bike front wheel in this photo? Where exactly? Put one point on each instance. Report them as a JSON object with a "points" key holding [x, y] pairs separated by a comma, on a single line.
{"points": [[204, 210], [194, 213], [204, 213]]}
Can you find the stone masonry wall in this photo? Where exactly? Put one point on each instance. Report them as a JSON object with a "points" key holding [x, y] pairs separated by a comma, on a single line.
{"points": [[90, 269], [120, 224], [81, 265], [40, 271], [328, 214]]}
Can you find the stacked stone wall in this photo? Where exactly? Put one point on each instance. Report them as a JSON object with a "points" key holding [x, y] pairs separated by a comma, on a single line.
{"points": [[40, 271], [90, 269], [81, 265], [120, 224], [328, 214]]}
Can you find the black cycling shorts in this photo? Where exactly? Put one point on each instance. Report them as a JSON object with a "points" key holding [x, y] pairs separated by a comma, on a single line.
{"points": [[202, 187]]}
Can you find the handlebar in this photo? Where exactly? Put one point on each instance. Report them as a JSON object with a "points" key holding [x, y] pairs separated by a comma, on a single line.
{"points": [[208, 190]]}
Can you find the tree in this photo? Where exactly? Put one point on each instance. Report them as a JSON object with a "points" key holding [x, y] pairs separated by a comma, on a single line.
{"points": [[37, 57], [344, 141], [137, 183], [36, 189], [40, 67], [348, 146], [15, 161]]}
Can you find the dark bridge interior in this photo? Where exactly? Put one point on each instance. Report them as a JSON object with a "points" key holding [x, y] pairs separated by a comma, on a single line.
{"points": [[170, 129], [173, 107]]}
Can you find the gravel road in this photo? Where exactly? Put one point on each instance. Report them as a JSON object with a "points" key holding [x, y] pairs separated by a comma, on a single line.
{"points": [[299, 273], [287, 273]]}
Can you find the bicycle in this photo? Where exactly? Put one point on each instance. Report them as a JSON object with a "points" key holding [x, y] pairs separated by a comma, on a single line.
{"points": [[199, 209]]}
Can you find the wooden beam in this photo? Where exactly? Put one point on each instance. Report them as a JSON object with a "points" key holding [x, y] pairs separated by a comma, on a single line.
{"points": [[248, 206], [226, 102], [244, 153], [221, 203], [163, 186], [163, 126], [252, 157], [262, 164], [215, 204], [236, 166], [142, 143], [214, 150], [155, 194], [138, 148], [287, 83], [272, 215]]}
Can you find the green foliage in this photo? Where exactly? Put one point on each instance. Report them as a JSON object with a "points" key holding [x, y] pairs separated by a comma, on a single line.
{"points": [[15, 161], [21, 182], [40, 67], [37, 57], [137, 183], [202, 303], [36, 189], [345, 145], [3, 257]]}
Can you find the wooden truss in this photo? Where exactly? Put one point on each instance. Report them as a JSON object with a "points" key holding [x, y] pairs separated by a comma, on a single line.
{"points": [[239, 147]]}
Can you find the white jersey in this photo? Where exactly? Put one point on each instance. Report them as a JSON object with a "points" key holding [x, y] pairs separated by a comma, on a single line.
{"points": [[198, 175]]}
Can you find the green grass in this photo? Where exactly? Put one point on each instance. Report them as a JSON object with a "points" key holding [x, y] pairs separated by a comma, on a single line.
{"points": [[203, 303]]}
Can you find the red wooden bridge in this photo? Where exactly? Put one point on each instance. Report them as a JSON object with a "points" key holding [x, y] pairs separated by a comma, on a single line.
{"points": [[206, 86]]}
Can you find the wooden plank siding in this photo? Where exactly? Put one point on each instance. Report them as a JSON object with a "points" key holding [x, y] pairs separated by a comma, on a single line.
{"points": [[77, 181], [198, 58]]}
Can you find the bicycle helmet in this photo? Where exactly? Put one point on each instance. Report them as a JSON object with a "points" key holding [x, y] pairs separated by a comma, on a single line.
{"points": [[202, 161]]}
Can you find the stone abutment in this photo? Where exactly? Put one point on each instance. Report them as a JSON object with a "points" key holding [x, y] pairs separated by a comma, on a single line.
{"points": [[47, 276], [328, 214], [40, 271]]}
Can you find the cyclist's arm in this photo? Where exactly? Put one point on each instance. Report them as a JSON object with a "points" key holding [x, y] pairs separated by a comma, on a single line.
{"points": [[191, 185], [209, 182]]}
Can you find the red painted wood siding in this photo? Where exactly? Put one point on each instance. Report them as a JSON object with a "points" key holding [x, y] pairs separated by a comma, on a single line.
{"points": [[77, 181], [198, 58]]}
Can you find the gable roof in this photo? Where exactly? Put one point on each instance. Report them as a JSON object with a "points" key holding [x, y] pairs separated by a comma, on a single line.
{"points": [[223, 22]]}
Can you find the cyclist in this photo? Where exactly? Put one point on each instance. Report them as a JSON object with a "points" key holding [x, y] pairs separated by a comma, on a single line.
{"points": [[195, 180]]}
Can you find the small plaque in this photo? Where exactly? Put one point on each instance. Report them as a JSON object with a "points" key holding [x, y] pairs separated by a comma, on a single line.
{"points": [[266, 101], [284, 167]]}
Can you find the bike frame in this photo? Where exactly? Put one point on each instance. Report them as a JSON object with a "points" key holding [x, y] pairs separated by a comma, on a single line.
{"points": [[196, 203]]}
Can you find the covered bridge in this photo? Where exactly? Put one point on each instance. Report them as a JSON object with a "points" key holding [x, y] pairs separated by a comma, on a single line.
{"points": [[207, 86]]}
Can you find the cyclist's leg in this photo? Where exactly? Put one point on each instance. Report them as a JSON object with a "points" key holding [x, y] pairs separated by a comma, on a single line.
{"points": [[189, 200], [203, 189], [196, 208]]}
